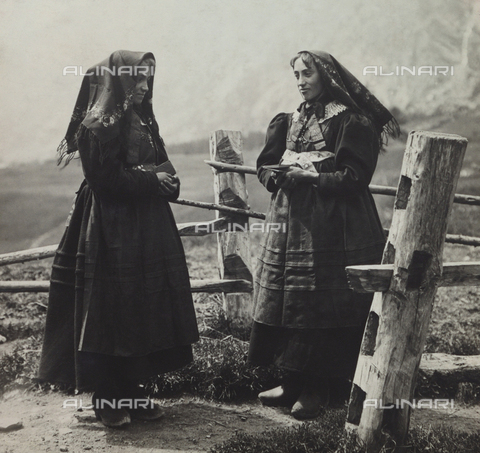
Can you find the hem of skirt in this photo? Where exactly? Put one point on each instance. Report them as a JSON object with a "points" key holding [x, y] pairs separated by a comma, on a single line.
{"points": [[142, 354]]}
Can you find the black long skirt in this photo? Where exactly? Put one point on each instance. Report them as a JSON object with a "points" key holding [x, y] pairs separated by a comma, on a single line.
{"points": [[327, 353], [131, 335]]}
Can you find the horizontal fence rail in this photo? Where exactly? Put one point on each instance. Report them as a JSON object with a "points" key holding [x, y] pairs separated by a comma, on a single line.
{"points": [[473, 200], [223, 167], [214, 226], [188, 229], [457, 239], [185, 229], [22, 256], [197, 286], [462, 240], [377, 278], [221, 208]]}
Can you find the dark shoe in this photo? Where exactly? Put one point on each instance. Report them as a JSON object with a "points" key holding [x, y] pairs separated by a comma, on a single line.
{"points": [[113, 418], [313, 399], [105, 403], [281, 396], [149, 412], [141, 407]]}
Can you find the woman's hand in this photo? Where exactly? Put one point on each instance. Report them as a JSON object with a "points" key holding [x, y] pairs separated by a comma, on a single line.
{"points": [[294, 175], [167, 184]]}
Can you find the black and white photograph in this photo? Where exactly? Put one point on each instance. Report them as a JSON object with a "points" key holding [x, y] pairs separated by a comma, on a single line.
{"points": [[240, 226]]}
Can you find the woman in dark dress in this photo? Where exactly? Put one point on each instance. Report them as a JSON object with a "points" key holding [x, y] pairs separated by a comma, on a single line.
{"points": [[306, 319], [120, 307]]}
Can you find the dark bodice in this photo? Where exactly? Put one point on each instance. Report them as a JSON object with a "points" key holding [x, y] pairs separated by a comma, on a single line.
{"points": [[300, 278], [143, 148]]}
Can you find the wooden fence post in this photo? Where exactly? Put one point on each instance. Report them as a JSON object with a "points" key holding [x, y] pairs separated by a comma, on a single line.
{"points": [[233, 246], [398, 322]]}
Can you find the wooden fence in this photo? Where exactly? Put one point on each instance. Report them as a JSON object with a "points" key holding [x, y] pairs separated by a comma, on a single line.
{"points": [[399, 317], [235, 268], [405, 282]]}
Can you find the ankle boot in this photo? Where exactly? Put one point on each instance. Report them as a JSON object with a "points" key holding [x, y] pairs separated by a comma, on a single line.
{"points": [[141, 407], [284, 395], [314, 397], [105, 406]]}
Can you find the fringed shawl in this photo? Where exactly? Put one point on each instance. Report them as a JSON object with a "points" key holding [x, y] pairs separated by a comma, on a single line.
{"points": [[344, 87], [104, 103]]}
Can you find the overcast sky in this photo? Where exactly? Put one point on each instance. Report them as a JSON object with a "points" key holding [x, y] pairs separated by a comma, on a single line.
{"points": [[212, 56]]}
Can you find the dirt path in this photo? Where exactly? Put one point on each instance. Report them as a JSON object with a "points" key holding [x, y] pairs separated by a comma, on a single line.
{"points": [[190, 425]]}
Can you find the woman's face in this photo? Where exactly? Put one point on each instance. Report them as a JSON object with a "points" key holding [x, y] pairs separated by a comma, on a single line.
{"points": [[309, 81], [141, 88]]}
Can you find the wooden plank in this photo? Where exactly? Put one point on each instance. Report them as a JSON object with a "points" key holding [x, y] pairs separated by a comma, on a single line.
{"points": [[233, 247], [197, 286], [397, 326], [223, 167], [456, 239], [189, 229], [184, 229], [473, 200], [221, 286], [445, 371], [463, 240], [382, 190], [25, 286], [28, 255], [202, 228], [218, 207], [448, 363], [376, 278]]}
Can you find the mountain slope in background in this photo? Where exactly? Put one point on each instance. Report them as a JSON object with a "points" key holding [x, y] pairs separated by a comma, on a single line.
{"points": [[226, 65], [430, 33]]}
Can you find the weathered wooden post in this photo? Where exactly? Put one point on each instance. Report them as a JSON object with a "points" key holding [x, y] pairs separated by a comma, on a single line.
{"points": [[233, 245], [398, 322]]}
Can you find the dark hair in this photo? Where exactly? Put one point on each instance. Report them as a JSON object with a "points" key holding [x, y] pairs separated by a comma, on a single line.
{"points": [[309, 60], [312, 61]]}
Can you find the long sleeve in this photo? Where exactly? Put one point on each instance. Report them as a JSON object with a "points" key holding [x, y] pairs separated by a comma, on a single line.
{"points": [[105, 172], [356, 152], [273, 150]]}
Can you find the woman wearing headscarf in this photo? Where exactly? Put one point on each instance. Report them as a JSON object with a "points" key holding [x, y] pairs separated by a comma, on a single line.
{"points": [[318, 163], [120, 307]]}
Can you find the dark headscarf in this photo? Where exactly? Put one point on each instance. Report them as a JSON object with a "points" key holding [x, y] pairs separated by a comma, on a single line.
{"points": [[344, 87], [104, 103]]}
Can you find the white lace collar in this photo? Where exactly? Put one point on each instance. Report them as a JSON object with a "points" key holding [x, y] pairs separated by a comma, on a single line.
{"points": [[332, 109]]}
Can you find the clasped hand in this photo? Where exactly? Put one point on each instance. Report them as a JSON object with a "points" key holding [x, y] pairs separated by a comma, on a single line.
{"points": [[292, 176], [167, 183]]}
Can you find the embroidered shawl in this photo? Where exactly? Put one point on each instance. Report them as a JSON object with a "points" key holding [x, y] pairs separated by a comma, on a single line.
{"points": [[345, 88], [104, 103]]}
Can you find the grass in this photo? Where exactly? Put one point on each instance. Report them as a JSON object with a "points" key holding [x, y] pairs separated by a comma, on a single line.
{"points": [[219, 373], [327, 435], [19, 367]]}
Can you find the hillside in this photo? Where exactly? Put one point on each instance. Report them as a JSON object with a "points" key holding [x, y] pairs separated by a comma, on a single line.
{"points": [[231, 71]]}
